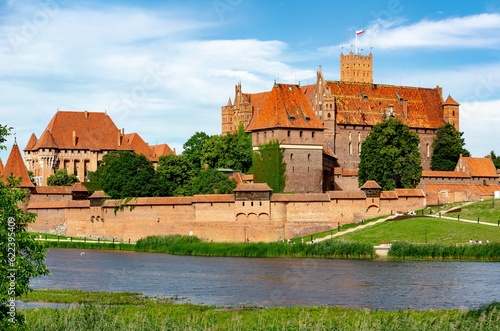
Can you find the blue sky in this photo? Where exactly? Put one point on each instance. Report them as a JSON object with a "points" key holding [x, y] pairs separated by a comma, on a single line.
{"points": [[164, 68]]}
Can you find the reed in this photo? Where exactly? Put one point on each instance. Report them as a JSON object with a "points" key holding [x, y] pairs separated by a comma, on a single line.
{"points": [[168, 316], [482, 252], [189, 245], [90, 245]]}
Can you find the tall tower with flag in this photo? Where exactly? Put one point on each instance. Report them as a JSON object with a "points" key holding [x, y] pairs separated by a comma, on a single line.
{"points": [[355, 67]]}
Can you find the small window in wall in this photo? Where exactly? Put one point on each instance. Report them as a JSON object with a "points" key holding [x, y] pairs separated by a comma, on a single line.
{"points": [[428, 151], [291, 156], [243, 203], [308, 156], [300, 134], [312, 134], [288, 133]]}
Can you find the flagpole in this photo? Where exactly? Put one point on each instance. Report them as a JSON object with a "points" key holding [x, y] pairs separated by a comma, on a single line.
{"points": [[356, 32]]}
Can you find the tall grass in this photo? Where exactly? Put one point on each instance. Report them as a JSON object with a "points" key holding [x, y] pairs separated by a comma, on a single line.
{"points": [[167, 316], [483, 252], [190, 245], [89, 245]]}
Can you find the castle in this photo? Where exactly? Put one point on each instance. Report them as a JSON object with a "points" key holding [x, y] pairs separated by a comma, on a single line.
{"points": [[76, 141], [348, 109], [321, 127]]}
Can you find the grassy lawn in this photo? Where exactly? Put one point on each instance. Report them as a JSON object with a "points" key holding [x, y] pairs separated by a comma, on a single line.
{"points": [[418, 230], [486, 211]]}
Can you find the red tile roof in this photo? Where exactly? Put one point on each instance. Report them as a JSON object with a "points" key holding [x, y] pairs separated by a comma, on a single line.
{"points": [[386, 195], [79, 187], [93, 131], [1, 166], [31, 142], [63, 190], [150, 201], [371, 184], [406, 192], [207, 198], [309, 197], [15, 166], [445, 174], [364, 104], [482, 189], [478, 166], [253, 187], [161, 150], [286, 107], [450, 102]]}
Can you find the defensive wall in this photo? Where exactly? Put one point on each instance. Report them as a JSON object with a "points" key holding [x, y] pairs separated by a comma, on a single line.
{"points": [[252, 213]]}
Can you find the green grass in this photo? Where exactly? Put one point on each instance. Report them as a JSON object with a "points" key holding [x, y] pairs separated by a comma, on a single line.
{"points": [[424, 230], [486, 211], [140, 313], [190, 245], [86, 297], [484, 252], [90, 245]]}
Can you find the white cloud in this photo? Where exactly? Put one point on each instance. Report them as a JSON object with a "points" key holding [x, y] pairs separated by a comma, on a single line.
{"points": [[480, 31], [480, 121]]}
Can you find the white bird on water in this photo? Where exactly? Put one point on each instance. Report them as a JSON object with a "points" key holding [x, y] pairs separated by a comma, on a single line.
{"points": [[82, 253]]}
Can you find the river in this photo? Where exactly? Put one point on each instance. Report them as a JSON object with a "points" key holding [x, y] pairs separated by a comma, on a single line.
{"points": [[277, 282]]}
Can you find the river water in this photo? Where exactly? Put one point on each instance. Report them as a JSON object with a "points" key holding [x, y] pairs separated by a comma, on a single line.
{"points": [[277, 282]]}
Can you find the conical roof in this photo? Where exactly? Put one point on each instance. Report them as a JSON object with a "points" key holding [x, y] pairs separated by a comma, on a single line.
{"points": [[15, 166]]}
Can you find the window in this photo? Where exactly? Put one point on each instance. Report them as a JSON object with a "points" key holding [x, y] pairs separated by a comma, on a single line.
{"points": [[288, 133], [300, 134], [312, 134]]}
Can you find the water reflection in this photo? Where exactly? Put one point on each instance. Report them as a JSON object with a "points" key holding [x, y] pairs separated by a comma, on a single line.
{"points": [[278, 282]]}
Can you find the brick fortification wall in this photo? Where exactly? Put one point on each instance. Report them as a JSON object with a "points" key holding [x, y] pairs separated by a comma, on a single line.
{"points": [[217, 217]]}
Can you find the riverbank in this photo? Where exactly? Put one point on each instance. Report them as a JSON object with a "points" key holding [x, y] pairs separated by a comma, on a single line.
{"points": [[108, 311]]}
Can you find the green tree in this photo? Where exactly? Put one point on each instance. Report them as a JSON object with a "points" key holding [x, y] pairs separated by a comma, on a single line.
{"points": [[193, 147], [173, 174], [269, 166], [22, 256], [125, 174], [390, 156], [211, 181], [61, 178], [233, 151], [495, 159], [447, 147]]}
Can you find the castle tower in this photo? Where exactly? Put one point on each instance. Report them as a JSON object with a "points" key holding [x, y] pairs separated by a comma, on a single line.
{"points": [[288, 117], [356, 68], [451, 112]]}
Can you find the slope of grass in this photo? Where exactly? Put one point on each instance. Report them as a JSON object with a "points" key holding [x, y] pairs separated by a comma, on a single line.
{"points": [[425, 230], [486, 211]]}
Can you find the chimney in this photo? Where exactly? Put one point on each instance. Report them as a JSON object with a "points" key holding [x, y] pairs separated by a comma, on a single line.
{"points": [[119, 138], [405, 109], [74, 138], [86, 114]]}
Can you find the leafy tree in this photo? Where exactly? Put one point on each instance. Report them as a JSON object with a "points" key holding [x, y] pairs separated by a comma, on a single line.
{"points": [[193, 147], [211, 181], [233, 151], [495, 159], [173, 173], [125, 174], [269, 166], [447, 147], [390, 156], [22, 256], [61, 178]]}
